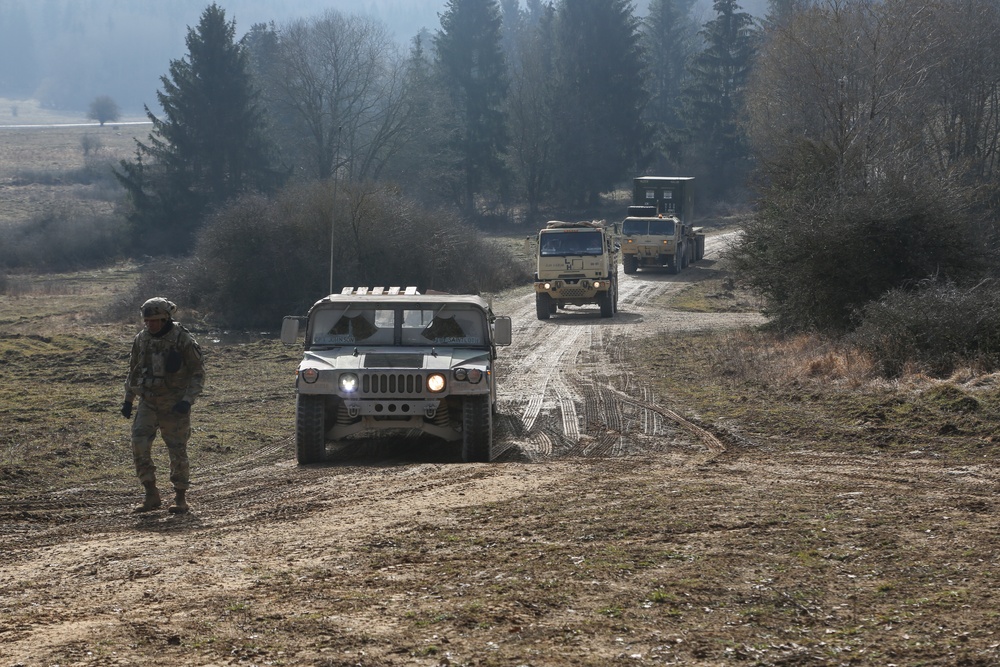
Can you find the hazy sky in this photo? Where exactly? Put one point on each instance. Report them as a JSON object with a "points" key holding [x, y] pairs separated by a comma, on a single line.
{"points": [[65, 53]]}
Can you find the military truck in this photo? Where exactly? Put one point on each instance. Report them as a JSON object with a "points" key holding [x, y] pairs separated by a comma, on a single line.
{"points": [[387, 359], [657, 231], [576, 264]]}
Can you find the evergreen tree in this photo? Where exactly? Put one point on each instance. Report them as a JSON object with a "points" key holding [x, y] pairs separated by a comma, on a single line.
{"points": [[600, 134], [670, 37], [209, 146], [719, 78], [471, 64], [530, 107]]}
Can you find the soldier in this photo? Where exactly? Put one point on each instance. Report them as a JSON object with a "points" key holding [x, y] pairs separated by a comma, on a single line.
{"points": [[167, 374]]}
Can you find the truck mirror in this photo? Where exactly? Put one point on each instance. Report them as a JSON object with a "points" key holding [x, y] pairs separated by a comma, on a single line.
{"points": [[290, 329], [502, 330]]}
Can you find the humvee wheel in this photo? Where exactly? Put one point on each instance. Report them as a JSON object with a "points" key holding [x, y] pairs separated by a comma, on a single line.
{"points": [[310, 431], [543, 306], [630, 263], [477, 428]]}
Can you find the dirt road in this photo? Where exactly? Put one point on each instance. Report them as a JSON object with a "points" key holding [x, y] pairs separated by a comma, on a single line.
{"points": [[611, 530]]}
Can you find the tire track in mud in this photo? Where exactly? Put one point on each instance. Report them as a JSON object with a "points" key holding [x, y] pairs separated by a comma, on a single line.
{"points": [[566, 388]]}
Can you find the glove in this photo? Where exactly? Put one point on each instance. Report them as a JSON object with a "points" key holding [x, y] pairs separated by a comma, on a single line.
{"points": [[127, 409], [182, 407]]}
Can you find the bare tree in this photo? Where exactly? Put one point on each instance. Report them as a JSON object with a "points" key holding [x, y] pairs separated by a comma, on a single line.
{"points": [[104, 109], [846, 75], [963, 126], [339, 95]]}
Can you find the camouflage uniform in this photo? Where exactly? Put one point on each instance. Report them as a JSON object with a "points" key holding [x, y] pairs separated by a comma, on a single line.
{"points": [[165, 372]]}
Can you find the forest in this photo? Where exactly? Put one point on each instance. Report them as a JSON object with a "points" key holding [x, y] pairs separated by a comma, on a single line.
{"points": [[861, 138]]}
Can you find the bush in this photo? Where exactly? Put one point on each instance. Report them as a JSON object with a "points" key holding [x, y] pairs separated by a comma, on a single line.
{"points": [[817, 257], [938, 327], [260, 259], [171, 278], [63, 238]]}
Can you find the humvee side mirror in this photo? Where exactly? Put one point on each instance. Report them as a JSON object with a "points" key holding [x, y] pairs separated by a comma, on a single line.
{"points": [[290, 327], [502, 330]]}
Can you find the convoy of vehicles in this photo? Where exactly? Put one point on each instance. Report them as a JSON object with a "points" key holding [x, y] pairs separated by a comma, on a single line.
{"points": [[657, 231], [391, 359], [576, 264]]}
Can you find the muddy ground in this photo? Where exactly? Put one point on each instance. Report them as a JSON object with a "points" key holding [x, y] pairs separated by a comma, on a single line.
{"points": [[622, 522]]}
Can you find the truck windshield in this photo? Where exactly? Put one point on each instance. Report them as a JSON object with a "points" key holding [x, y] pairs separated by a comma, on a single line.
{"points": [[563, 243], [397, 324], [654, 227]]}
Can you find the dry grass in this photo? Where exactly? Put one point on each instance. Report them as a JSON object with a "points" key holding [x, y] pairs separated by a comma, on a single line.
{"points": [[40, 166]]}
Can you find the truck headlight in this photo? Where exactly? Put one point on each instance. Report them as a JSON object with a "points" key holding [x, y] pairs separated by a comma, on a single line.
{"points": [[547, 286], [310, 375], [597, 284], [435, 383], [348, 383]]}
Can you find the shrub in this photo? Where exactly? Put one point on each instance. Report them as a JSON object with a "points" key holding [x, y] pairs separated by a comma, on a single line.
{"points": [[260, 259], [63, 238], [938, 326], [817, 255]]}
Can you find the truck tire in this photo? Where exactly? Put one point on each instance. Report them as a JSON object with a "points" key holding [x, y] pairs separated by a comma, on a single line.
{"points": [[630, 263], [674, 263], [606, 301], [310, 428], [700, 248], [477, 428], [543, 305], [615, 286]]}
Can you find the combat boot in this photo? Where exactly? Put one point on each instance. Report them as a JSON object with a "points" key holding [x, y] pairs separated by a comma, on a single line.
{"points": [[180, 505], [152, 499]]}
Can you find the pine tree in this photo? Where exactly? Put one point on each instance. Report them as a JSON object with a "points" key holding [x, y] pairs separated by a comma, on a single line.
{"points": [[208, 147], [719, 76], [473, 70], [670, 36], [600, 135]]}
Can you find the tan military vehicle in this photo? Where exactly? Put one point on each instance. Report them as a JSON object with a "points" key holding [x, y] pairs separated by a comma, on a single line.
{"points": [[390, 359], [657, 232], [576, 264]]}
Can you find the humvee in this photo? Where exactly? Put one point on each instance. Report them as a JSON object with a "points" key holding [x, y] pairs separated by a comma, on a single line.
{"points": [[390, 359]]}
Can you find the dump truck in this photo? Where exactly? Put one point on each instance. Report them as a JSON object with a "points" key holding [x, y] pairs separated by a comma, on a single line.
{"points": [[392, 359], [576, 265], [657, 231]]}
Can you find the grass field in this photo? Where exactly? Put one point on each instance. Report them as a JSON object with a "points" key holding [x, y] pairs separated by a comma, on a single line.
{"points": [[51, 160]]}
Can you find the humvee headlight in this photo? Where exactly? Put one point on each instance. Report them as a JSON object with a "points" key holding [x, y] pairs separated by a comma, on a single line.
{"points": [[435, 383], [348, 383], [310, 375], [461, 374], [475, 375]]}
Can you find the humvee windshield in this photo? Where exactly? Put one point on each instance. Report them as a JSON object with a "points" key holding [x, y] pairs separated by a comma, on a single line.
{"points": [[399, 324], [655, 227], [560, 244]]}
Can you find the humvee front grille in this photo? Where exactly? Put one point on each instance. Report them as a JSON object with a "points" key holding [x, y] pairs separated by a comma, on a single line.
{"points": [[572, 292], [389, 384]]}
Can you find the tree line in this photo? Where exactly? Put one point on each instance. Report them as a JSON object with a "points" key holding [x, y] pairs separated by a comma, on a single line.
{"points": [[547, 104], [867, 132]]}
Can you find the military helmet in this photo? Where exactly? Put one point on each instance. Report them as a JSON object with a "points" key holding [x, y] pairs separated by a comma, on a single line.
{"points": [[158, 308]]}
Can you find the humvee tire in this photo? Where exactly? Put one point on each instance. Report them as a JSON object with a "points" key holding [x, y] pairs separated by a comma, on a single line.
{"points": [[310, 431], [477, 428]]}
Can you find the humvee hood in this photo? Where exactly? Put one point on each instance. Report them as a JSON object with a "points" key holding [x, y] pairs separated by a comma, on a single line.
{"points": [[380, 358]]}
